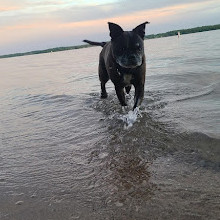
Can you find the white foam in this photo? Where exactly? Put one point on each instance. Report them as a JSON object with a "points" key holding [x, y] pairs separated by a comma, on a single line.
{"points": [[131, 117]]}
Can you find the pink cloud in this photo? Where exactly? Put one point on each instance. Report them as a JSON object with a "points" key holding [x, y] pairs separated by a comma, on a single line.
{"points": [[52, 29]]}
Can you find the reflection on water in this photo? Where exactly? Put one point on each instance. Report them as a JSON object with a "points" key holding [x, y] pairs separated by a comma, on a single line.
{"points": [[130, 179]]}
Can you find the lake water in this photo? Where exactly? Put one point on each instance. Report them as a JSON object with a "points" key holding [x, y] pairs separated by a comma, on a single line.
{"points": [[67, 154]]}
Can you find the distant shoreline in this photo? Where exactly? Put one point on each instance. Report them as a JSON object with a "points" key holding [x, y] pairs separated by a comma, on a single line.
{"points": [[184, 31], [151, 36]]}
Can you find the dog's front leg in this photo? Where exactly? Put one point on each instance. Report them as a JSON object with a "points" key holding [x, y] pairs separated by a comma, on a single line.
{"points": [[121, 95], [139, 95]]}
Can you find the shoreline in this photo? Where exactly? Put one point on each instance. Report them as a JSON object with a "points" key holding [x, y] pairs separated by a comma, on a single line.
{"points": [[151, 36]]}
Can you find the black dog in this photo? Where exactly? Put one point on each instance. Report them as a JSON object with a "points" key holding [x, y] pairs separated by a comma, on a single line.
{"points": [[123, 61]]}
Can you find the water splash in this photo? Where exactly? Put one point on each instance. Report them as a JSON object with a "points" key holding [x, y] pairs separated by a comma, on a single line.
{"points": [[131, 117]]}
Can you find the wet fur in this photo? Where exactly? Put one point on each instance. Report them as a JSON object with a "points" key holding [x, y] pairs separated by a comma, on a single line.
{"points": [[123, 61]]}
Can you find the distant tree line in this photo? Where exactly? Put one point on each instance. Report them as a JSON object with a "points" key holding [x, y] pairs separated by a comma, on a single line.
{"points": [[51, 50], [184, 31], [151, 36]]}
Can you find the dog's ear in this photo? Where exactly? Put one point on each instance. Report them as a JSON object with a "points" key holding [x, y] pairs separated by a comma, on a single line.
{"points": [[115, 30], [140, 29]]}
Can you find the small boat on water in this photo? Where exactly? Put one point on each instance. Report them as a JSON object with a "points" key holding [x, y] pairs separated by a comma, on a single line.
{"points": [[178, 34]]}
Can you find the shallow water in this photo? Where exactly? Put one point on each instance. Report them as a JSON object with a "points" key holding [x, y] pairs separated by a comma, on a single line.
{"points": [[67, 154]]}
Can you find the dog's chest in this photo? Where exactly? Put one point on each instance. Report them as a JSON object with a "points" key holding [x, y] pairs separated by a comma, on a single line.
{"points": [[127, 79]]}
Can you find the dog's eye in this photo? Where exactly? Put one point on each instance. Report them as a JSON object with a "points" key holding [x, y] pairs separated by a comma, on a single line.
{"points": [[138, 48]]}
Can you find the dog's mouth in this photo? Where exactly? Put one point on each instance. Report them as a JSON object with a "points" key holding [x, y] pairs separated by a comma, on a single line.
{"points": [[129, 64]]}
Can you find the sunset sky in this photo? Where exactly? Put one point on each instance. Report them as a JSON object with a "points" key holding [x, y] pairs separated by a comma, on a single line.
{"points": [[27, 25]]}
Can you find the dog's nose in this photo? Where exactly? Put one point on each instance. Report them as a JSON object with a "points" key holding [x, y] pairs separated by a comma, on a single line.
{"points": [[131, 57]]}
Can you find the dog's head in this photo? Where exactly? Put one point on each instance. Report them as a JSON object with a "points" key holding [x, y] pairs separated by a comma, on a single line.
{"points": [[127, 46]]}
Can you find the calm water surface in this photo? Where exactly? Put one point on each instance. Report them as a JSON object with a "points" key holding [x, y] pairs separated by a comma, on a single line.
{"points": [[67, 154]]}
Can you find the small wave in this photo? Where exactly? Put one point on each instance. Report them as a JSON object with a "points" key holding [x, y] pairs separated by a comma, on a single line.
{"points": [[46, 99], [206, 91], [207, 147]]}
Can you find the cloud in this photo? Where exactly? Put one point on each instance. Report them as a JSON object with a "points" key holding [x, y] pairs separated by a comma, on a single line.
{"points": [[29, 25], [8, 8], [23, 11], [120, 8]]}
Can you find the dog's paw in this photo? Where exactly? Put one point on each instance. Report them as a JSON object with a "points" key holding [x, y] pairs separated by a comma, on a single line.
{"points": [[124, 109], [104, 95]]}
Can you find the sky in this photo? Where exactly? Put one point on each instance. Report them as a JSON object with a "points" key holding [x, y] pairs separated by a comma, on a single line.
{"points": [[27, 25]]}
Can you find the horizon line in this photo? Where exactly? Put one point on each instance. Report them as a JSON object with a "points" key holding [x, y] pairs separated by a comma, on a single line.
{"points": [[73, 47]]}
